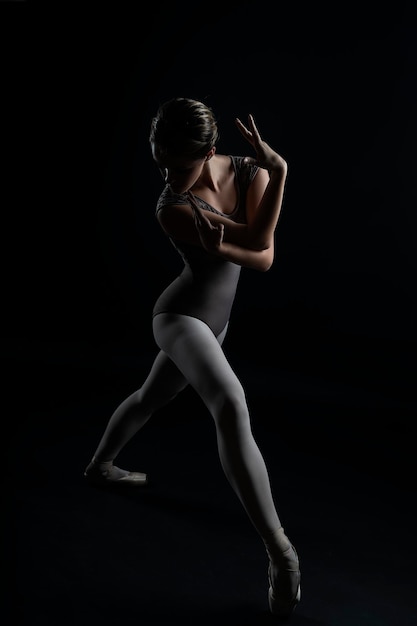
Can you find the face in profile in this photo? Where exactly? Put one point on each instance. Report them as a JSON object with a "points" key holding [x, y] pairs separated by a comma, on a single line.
{"points": [[179, 172]]}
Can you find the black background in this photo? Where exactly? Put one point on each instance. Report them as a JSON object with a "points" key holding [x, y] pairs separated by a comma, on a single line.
{"points": [[85, 259], [325, 342]]}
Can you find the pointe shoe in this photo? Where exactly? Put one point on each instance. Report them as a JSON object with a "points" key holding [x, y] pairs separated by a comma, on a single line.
{"points": [[285, 589], [109, 475]]}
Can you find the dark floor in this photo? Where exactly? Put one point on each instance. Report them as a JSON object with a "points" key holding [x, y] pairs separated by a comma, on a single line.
{"points": [[181, 551]]}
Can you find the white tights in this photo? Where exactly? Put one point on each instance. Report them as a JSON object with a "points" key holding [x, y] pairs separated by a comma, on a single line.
{"points": [[191, 354]]}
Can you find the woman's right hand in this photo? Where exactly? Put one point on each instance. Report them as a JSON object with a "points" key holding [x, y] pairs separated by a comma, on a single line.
{"points": [[211, 235], [266, 157]]}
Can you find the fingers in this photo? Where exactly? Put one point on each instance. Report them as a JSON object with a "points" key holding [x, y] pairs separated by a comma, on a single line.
{"points": [[191, 198], [193, 203], [197, 220], [198, 214], [251, 133], [242, 127], [254, 130]]}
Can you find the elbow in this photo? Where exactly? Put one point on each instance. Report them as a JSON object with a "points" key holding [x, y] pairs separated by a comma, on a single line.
{"points": [[266, 260], [257, 241], [265, 267], [264, 243], [260, 245]]}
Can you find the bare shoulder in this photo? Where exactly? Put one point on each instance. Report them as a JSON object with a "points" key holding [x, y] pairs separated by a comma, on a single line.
{"points": [[223, 167], [225, 160]]}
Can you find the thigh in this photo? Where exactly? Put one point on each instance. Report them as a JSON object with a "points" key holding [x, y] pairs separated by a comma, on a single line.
{"points": [[197, 353], [165, 380]]}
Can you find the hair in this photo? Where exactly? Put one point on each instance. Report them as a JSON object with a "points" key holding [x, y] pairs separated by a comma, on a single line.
{"points": [[185, 127]]}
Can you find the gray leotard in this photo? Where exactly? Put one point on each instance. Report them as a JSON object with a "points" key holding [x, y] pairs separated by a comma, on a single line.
{"points": [[206, 287]]}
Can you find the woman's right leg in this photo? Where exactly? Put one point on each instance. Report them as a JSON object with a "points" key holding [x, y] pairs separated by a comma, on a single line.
{"points": [[163, 383]]}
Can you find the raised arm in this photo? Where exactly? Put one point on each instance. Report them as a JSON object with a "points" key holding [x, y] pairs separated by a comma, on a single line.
{"points": [[262, 218], [250, 244]]}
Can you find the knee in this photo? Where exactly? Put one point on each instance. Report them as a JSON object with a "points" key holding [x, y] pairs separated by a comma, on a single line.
{"points": [[231, 413]]}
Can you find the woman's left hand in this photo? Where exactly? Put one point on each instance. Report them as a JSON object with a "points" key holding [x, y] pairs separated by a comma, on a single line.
{"points": [[266, 157]]}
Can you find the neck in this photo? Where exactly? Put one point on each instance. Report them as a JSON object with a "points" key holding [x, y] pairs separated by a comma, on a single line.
{"points": [[210, 176]]}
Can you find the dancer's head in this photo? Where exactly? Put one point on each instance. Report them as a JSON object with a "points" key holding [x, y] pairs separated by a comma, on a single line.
{"points": [[183, 137]]}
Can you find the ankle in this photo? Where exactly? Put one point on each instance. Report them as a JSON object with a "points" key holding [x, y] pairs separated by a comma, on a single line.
{"points": [[104, 465], [279, 547]]}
